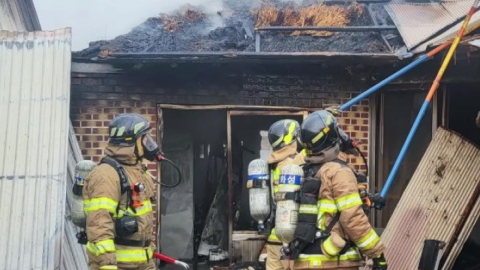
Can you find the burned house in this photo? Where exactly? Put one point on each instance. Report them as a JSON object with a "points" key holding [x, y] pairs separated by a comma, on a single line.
{"points": [[211, 82]]}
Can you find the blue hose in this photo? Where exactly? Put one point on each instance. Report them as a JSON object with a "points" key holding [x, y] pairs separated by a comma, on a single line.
{"points": [[381, 84], [405, 146]]}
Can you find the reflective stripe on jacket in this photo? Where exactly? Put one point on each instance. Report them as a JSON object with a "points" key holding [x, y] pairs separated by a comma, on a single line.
{"points": [[101, 196], [339, 194]]}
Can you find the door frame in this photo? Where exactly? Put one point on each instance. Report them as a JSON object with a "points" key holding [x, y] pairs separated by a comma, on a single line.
{"points": [[231, 110], [230, 113]]}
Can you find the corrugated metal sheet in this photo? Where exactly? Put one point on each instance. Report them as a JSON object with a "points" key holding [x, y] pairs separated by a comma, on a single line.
{"points": [[419, 22], [436, 202], [464, 235], [34, 101], [18, 15], [74, 255]]}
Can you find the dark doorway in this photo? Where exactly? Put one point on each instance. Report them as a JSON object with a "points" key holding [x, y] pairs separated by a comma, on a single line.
{"points": [[398, 111], [195, 140], [462, 106]]}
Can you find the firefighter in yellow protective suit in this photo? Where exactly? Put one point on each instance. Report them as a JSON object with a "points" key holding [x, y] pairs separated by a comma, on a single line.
{"points": [[282, 136], [333, 230], [119, 220]]}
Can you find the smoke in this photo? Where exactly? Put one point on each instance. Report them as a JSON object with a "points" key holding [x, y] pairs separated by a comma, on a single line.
{"points": [[93, 20]]}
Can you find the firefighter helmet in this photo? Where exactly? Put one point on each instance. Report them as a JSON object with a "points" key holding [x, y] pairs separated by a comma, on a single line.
{"points": [[126, 128], [319, 132], [283, 133]]}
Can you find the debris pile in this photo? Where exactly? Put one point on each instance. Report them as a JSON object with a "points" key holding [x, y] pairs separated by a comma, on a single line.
{"points": [[232, 29], [315, 15]]}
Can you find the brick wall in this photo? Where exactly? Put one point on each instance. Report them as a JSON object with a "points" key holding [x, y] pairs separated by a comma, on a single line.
{"points": [[97, 98]]}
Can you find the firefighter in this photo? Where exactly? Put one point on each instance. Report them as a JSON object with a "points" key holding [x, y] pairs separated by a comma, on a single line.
{"points": [[119, 231], [282, 136], [332, 236]]}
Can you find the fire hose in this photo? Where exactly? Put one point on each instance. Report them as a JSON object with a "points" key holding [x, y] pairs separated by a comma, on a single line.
{"points": [[170, 260]]}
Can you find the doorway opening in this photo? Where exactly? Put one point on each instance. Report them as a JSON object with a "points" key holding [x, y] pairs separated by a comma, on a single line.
{"points": [[392, 132], [248, 140], [195, 140], [212, 146]]}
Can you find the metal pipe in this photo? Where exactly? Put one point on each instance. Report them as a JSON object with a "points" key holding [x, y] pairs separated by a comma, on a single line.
{"points": [[392, 77], [428, 99], [402, 71], [327, 28]]}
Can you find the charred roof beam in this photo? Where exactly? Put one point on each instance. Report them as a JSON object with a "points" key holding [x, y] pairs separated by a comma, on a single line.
{"points": [[376, 28], [328, 28], [375, 22]]}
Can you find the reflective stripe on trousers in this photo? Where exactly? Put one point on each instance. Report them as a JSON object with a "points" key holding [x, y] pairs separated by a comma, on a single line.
{"points": [[317, 260], [134, 255]]}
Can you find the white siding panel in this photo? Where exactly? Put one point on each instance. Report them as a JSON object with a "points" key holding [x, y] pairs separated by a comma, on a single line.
{"points": [[18, 15], [34, 105]]}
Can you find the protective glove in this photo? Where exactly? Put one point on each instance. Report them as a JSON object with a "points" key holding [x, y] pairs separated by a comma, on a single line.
{"points": [[294, 249], [379, 263], [378, 201], [333, 110]]}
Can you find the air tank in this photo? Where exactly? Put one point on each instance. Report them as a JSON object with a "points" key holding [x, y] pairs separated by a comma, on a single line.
{"points": [[286, 216], [259, 193], [82, 170]]}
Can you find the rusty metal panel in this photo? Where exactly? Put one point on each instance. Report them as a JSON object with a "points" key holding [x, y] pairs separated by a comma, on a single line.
{"points": [[437, 201], [419, 22], [34, 101]]}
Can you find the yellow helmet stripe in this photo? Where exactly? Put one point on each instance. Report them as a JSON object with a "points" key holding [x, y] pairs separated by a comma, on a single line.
{"points": [[288, 138]]}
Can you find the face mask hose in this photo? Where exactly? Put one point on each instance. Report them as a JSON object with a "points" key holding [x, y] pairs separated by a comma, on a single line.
{"points": [[364, 160], [161, 158]]}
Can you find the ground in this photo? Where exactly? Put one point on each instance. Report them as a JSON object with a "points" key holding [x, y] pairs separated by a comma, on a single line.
{"points": [[232, 29]]}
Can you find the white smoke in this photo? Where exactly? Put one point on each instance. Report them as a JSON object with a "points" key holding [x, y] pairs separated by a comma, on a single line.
{"points": [[93, 20]]}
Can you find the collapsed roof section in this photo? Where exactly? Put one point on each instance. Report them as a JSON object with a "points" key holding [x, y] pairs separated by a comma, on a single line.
{"points": [[354, 28], [422, 25]]}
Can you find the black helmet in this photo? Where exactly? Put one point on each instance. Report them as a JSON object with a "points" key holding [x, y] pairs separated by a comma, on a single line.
{"points": [[283, 133], [126, 128], [319, 132]]}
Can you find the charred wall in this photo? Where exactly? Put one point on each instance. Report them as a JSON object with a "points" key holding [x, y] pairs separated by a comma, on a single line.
{"points": [[97, 98]]}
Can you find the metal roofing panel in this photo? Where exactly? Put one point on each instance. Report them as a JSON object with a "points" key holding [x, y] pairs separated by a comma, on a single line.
{"points": [[74, 256], [436, 201], [34, 101], [419, 22], [464, 235], [18, 15], [450, 33]]}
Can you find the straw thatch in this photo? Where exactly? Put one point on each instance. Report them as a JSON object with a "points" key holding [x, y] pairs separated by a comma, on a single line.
{"points": [[171, 23], [315, 15]]}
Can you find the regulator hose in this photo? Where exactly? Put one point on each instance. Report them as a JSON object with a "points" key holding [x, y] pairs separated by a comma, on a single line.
{"points": [[364, 160], [162, 158]]}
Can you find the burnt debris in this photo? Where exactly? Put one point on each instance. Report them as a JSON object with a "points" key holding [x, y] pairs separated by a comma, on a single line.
{"points": [[232, 30]]}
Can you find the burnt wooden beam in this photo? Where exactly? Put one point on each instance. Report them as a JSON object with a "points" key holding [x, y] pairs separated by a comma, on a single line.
{"points": [[328, 28]]}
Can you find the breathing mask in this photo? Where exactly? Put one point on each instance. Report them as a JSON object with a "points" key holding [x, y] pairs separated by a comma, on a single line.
{"points": [[150, 148]]}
